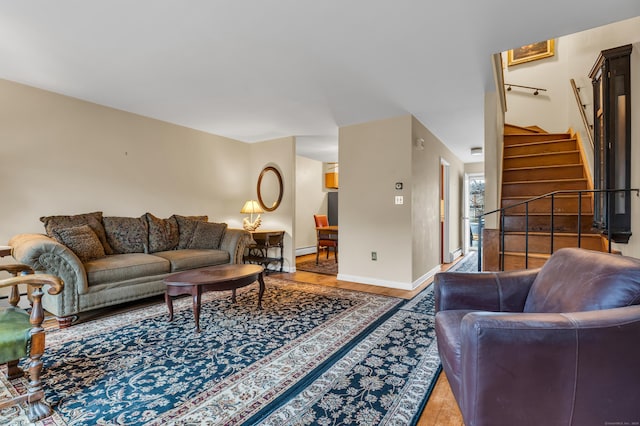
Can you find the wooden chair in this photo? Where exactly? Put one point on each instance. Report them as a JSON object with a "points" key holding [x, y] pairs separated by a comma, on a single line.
{"points": [[22, 335], [326, 239]]}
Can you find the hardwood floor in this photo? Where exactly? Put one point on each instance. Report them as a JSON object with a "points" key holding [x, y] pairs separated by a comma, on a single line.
{"points": [[441, 409]]}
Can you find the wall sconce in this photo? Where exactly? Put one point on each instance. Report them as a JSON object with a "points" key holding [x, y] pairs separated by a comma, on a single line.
{"points": [[420, 144], [251, 207], [475, 151]]}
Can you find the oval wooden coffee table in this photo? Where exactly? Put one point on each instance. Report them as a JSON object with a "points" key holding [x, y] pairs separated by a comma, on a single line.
{"points": [[212, 278]]}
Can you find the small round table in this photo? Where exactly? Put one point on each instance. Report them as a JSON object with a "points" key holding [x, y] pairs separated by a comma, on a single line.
{"points": [[212, 278]]}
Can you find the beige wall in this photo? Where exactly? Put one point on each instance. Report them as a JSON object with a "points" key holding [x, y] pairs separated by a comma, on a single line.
{"points": [[373, 157], [60, 155], [279, 153], [425, 201], [311, 198]]}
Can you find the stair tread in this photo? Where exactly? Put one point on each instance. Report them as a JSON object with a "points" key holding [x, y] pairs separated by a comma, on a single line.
{"points": [[555, 234], [573, 151], [522, 254], [525, 144], [550, 166], [526, 197], [544, 181], [546, 213]]}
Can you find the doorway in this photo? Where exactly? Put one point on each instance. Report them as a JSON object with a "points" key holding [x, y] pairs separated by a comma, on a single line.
{"points": [[445, 253], [474, 208]]}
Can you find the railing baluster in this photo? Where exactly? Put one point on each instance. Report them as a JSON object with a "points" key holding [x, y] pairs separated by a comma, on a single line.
{"points": [[553, 207], [481, 226], [579, 219], [526, 236], [502, 242]]}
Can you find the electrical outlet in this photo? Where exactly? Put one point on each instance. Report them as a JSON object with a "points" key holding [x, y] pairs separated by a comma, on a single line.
{"points": [[399, 199], [374, 255]]}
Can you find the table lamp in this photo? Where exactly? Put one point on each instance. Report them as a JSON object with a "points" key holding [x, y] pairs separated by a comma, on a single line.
{"points": [[251, 207]]}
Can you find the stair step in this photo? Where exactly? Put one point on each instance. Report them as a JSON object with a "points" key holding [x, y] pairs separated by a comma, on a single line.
{"points": [[543, 159], [540, 242], [542, 223], [540, 147], [539, 187], [561, 204], [516, 139], [515, 260], [556, 171], [513, 129]]}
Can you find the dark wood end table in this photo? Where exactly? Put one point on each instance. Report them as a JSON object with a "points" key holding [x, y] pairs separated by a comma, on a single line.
{"points": [[212, 278]]}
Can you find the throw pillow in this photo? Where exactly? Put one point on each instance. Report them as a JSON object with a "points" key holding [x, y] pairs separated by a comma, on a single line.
{"points": [[81, 240], [93, 220], [186, 226], [127, 234], [207, 235], [163, 233]]}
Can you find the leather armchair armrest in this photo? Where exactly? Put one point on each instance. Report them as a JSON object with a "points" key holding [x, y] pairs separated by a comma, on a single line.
{"points": [[511, 359], [483, 291]]}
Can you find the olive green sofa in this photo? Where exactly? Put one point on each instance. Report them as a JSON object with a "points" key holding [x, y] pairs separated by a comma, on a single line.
{"points": [[105, 261]]}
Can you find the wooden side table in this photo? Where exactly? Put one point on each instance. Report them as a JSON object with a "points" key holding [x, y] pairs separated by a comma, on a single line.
{"points": [[5, 251], [268, 249]]}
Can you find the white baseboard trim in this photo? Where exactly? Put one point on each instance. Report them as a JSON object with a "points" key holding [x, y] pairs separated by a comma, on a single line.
{"points": [[456, 253], [305, 250], [390, 284]]}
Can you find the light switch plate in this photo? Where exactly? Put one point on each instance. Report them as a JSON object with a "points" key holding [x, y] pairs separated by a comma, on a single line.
{"points": [[399, 199]]}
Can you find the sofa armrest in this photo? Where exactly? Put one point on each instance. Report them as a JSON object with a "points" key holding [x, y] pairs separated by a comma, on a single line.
{"points": [[235, 241], [483, 291], [45, 255], [573, 364]]}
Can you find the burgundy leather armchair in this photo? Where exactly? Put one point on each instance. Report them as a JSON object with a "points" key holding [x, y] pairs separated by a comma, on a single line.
{"points": [[558, 345]]}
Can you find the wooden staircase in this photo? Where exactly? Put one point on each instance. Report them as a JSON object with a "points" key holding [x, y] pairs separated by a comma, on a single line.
{"points": [[536, 163]]}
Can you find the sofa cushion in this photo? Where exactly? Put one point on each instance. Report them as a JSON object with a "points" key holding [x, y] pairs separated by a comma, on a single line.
{"points": [[163, 233], [127, 234], [207, 235], [94, 220], [182, 260], [81, 240], [121, 267], [186, 227], [576, 280]]}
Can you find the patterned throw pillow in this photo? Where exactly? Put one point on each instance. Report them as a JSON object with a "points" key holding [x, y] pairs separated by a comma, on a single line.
{"points": [[186, 226], [93, 220], [163, 233], [127, 234], [81, 240], [207, 235]]}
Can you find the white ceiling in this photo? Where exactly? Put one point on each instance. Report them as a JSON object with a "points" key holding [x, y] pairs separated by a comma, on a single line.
{"points": [[254, 70]]}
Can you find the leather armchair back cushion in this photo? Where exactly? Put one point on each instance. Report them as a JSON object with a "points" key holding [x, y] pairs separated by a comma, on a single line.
{"points": [[575, 280]]}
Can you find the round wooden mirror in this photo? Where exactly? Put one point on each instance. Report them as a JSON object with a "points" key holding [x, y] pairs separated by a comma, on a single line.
{"points": [[270, 188]]}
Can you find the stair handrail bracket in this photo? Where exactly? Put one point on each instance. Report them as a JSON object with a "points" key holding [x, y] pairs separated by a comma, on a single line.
{"points": [[501, 211]]}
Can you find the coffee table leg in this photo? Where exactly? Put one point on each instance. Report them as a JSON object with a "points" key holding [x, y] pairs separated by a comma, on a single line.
{"points": [[261, 291], [233, 296], [196, 307], [169, 302]]}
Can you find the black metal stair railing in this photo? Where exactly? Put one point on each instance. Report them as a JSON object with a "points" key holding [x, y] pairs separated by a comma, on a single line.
{"points": [[552, 196]]}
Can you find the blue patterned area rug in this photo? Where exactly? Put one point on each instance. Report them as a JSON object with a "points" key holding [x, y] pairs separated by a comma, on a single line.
{"points": [[138, 369], [385, 379], [469, 263]]}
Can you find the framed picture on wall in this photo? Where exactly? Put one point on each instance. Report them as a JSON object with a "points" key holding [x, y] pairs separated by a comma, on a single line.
{"points": [[531, 52]]}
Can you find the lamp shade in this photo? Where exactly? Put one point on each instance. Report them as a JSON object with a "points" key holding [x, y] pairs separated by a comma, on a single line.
{"points": [[251, 207]]}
